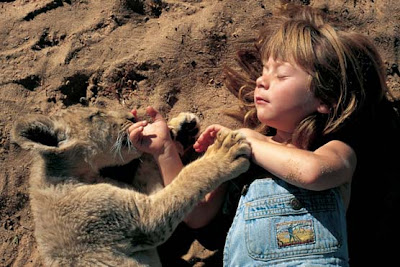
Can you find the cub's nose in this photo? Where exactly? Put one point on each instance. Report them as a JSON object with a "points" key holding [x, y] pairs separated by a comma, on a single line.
{"points": [[131, 119]]}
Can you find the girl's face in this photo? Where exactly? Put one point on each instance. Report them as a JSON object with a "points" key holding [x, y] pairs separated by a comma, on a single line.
{"points": [[282, 97]]}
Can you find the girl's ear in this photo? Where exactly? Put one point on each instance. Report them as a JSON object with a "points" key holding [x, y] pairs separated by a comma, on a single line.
{"points": [[323, 108]]}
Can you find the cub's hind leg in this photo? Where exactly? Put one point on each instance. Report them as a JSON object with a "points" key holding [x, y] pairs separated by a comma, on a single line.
{"points": [[184, 129]]}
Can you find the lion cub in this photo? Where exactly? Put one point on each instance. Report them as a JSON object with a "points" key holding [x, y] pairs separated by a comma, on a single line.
{"points": [[82, 219]]}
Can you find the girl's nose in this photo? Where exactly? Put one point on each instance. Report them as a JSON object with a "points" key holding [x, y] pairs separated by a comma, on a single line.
{"points": [[261, 83]]}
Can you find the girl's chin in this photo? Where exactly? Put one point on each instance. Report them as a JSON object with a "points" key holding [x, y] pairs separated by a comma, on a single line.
{"points": [[262, 119], [267, 120]]}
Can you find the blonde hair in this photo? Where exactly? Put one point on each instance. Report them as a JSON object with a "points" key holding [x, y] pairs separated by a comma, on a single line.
{"points": [[346, 71]]}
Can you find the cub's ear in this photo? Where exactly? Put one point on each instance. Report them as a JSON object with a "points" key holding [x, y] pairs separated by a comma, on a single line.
{"points": [[37, 132]]}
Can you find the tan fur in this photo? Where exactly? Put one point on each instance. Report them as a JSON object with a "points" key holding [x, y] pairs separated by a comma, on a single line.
{"points": [[83, 219]]}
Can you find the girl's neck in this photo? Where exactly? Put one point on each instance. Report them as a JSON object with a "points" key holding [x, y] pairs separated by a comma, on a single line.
{"points": [[282, 137]]}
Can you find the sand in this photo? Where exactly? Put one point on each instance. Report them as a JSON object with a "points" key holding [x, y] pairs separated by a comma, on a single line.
{"points": [[169, 54]]}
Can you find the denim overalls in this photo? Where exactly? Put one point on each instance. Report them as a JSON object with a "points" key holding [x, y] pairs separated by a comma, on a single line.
{"points": [[277, 224]]}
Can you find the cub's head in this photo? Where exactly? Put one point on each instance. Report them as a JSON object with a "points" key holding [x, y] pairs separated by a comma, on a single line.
{"points": [[77, 141]]}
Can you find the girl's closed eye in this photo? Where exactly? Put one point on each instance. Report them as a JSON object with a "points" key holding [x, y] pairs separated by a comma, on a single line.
{"points": [[282, 76], [284, 71]]}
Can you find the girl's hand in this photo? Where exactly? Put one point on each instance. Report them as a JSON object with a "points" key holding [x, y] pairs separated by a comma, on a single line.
{"points": [[152, 137], [207, 137]]}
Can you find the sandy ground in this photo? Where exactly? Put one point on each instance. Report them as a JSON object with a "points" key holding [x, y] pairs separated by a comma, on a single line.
{"points": [[132, 53]]}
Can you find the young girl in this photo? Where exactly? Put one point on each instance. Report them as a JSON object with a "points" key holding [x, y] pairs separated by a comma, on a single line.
{"points": [[322, 92], [319, 90]]}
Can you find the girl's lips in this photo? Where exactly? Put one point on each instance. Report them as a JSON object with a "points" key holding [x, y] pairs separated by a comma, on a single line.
{"points": [[260, 100]]}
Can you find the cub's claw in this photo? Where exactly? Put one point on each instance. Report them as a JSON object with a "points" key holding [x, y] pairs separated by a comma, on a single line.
{"points": [[232, 151], [232, 142]]}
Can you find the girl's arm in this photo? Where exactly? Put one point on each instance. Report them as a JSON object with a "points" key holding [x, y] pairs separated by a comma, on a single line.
{"points": [[154, 138], [207, 209], [331, 165]]}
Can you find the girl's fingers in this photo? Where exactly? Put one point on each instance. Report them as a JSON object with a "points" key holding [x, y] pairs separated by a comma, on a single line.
{"points": [[207, 138], [135, 134], [198, 147], [204, 141], [137, 125], [154, 114], [135, 129]]}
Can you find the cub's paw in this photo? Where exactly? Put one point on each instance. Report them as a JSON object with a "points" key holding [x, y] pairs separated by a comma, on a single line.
{"points": [[184, 129], [231, 149]]}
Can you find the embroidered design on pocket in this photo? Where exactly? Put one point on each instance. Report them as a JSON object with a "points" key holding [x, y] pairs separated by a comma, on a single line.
{"points": [[295, 233]]}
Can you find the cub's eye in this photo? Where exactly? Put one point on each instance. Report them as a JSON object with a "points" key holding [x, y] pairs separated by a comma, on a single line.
{"points": [[97, 114]]}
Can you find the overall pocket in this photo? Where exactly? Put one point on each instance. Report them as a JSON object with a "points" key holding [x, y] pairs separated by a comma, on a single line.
{"points": [[288, 225]]}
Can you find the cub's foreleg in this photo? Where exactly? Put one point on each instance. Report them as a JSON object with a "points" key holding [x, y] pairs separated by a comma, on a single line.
{"points": [[227, 158]]}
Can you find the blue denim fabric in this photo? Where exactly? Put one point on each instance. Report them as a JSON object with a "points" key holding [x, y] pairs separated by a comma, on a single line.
{"points": [[277, 224]]}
